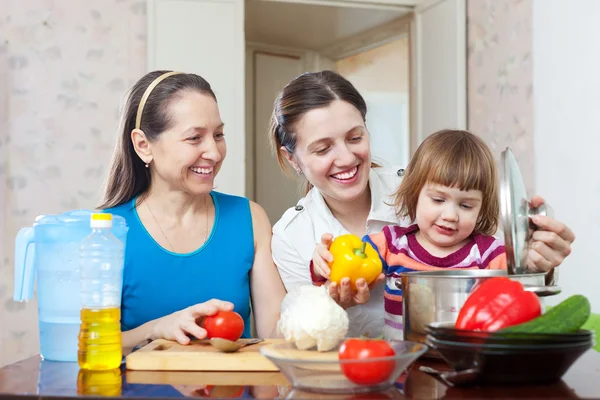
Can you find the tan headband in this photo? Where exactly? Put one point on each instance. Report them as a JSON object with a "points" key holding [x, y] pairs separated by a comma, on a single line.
{"points": [[149, 89]]}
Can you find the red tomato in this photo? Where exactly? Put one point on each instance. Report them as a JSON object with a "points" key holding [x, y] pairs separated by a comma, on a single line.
{"points": [[224, 324], [366, 373]]}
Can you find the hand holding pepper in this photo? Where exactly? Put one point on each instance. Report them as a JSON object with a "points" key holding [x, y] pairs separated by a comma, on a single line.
{"points": [[354, 259], [498, 303], [341, 290]]}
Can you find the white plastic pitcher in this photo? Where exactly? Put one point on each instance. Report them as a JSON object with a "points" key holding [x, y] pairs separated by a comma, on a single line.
{"points": [[50, 251]]}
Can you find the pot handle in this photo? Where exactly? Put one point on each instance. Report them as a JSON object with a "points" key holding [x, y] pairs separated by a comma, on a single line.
{"points": [[543, 291]]}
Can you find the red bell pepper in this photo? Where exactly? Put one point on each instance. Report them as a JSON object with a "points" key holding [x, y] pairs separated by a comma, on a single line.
{"points": [[498, 303]]}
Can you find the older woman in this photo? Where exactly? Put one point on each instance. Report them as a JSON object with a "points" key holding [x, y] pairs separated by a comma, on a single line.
{"points": [[191, 251], [319, 130]]}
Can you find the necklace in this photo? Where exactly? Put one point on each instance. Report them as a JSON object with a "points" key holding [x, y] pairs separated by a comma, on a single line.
{"points": [[163, 232]]}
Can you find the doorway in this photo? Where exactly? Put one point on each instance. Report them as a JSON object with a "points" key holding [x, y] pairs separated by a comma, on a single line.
{"points": [[369, 47], [438, 54]]}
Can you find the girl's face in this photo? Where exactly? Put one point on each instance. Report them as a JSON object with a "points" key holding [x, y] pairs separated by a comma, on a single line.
{"points": [[333, 151], [446, 217], [189, 155]]}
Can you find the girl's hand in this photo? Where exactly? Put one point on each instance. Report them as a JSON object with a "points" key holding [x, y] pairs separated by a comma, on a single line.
{"points": [[343, 295], [550, 244], [322, 256], [180, 324]]}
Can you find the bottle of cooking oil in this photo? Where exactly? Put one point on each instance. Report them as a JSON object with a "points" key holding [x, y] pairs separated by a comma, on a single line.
{"points": [[101, 269]]}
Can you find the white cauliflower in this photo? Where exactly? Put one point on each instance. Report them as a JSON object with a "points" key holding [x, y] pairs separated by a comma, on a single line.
{"points": [[310, 317]]}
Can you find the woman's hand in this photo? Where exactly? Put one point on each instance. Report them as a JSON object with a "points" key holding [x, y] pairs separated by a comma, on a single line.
{"points": [[550, 244], [180, 324], [346, 298], [342, 293]]}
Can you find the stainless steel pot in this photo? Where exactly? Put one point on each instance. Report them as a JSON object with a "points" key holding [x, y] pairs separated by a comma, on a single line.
{"points": [[438, 296]]}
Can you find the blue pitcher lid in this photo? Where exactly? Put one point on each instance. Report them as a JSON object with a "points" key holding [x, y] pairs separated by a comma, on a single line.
{"points": [[80, 216]]}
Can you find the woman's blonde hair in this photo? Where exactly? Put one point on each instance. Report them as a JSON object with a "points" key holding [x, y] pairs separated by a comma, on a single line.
{"points": [[453, 158]]}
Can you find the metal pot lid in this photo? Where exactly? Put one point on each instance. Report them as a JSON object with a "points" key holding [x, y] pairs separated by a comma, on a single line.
{"points": [[515, 213]]}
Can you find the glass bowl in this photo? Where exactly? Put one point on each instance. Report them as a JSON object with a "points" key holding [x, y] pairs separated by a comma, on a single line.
{"points": [[322, 372]]}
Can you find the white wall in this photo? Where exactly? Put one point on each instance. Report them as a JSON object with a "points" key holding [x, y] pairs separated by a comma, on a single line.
{"points": [[381, 76], [173, 28], [566, 85]]}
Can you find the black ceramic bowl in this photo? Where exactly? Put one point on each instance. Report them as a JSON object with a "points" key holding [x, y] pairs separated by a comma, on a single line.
{"points": [[508, 363], [507, 346], [446, 331]]}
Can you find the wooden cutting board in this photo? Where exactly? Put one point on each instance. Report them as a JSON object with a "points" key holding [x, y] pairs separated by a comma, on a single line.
{"points": [[215, 378], [199, 355]]}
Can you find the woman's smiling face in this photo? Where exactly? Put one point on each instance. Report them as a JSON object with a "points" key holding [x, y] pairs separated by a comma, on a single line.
{"points": [[333, 151], [189, 155]]}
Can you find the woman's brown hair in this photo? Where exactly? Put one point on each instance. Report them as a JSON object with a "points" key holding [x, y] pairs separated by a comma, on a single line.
{"points": [[128, 176], [307, 92], [453, 158]]}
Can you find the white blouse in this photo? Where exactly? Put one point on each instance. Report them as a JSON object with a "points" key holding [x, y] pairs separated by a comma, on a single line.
{"points": [[300, 228]]}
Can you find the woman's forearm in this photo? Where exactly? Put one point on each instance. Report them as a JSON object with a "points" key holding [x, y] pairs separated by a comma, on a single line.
{"points": [[135, 336], [266, 323]]}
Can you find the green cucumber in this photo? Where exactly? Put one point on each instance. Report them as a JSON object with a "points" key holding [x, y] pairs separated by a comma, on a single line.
{"points": [[566, 317]]}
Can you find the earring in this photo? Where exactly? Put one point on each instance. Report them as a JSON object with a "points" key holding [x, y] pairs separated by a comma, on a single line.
{"points": [[299, 172], [147, 165]]}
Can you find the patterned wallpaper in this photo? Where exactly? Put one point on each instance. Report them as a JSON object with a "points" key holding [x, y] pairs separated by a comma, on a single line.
{"points": [[500, 78], [64, 67]]}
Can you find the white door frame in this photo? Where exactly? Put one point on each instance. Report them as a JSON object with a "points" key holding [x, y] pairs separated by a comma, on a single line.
{"points": [[418, 110], [252, 48], [368, 40], [396, 5], [387, 32]]}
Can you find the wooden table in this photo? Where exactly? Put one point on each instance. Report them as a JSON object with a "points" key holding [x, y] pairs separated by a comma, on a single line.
{"points": [[34, 378]]}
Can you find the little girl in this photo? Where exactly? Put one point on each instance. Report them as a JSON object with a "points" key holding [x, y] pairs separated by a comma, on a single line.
{"points": [[450, 192]]}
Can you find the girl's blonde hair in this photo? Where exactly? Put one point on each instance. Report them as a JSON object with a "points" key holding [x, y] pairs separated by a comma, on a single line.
{"points": [[452, 158]]}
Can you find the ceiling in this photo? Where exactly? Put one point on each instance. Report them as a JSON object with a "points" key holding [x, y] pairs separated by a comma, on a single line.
{"points": [[307, 26]]}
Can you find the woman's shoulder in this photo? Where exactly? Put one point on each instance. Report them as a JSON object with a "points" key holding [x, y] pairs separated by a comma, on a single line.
{"points": [[389, 176], [293, 216], [308, 219], [229, 199], [125, 210]]}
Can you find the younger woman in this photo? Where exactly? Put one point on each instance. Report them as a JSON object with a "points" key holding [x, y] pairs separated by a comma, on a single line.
{"points": [[319, 128]]}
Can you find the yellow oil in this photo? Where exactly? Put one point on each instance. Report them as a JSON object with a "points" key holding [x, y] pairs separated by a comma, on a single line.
{"points": [[99, 383], [100, 339]]}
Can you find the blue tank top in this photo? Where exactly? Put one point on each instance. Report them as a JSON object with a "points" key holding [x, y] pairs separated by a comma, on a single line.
{"points": [[158, 282]]}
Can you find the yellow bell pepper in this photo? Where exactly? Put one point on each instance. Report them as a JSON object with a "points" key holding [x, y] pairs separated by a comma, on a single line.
{"points": [[354, 259]]}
